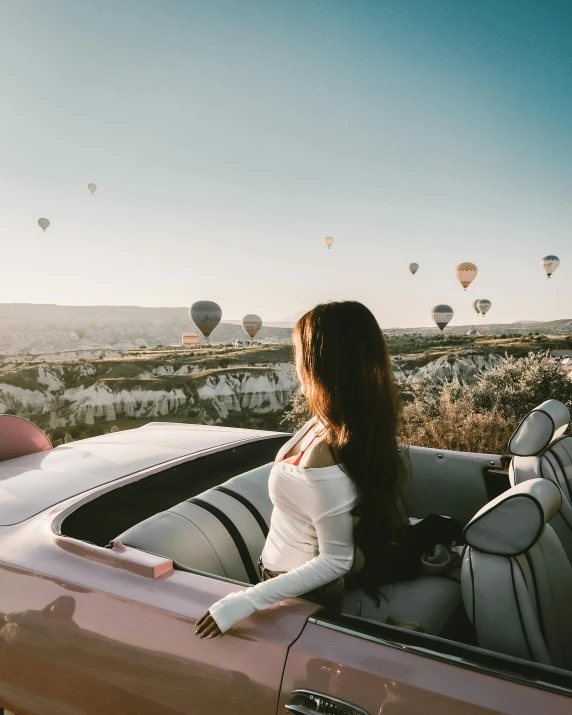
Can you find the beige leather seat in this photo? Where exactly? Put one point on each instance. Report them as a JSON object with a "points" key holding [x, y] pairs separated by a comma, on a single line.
{"points": [[542, 449], [433, 602], [516, 578], [223, 530]]}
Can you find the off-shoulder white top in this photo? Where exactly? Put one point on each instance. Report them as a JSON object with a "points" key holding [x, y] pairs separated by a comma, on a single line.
{"points": [[310, 535]]}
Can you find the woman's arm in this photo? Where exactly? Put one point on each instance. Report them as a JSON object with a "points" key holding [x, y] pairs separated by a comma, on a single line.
{"points": [[330, 507]]}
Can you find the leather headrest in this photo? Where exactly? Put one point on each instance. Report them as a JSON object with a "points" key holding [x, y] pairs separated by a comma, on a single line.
{"points": [[513, 522], [539, 428]]}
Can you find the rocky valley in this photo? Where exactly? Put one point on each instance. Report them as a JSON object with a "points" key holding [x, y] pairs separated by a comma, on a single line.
{"points": [[78, 393]]}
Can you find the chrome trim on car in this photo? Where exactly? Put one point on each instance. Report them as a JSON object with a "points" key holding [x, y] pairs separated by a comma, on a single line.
{"points": [[317, 697], [451, 659]]}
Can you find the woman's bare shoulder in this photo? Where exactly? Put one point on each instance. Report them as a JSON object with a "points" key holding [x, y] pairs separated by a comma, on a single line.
{"points": [[318, 456]]}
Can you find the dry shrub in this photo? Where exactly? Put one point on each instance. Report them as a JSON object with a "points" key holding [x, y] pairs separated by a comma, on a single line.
{"points": [[483, 416], [476, 418], [453, 424]]}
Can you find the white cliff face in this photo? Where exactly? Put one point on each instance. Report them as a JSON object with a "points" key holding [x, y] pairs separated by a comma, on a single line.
{"points": [[464, 367], [102, 402], [207, 396], [19, 401], [73, 393], [261, 390]]}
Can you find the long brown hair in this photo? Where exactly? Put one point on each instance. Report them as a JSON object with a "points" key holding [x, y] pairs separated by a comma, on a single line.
{"points": [[349, 385]]}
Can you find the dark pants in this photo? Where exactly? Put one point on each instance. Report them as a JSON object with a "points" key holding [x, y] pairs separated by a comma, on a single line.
{"points": [[330, 595]]}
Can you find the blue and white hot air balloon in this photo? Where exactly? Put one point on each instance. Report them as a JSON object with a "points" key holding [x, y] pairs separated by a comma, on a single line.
{"points": [[484, 305], [550, 264]]}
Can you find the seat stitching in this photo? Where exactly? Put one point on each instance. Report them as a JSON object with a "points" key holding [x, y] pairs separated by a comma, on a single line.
{"points": [[536, 592], [559, 487], [552, 598], [520, 618], [559, 462], [474, 591]]}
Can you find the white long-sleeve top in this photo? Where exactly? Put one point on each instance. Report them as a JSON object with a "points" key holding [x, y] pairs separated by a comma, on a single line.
{"points": [[310, 536]]}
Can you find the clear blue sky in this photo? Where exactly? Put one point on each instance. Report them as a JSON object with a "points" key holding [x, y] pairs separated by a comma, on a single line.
{"points": [[229, 137]]}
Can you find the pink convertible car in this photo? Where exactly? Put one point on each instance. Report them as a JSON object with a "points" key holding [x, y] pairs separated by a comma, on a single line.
{"points": [[112, 547]]}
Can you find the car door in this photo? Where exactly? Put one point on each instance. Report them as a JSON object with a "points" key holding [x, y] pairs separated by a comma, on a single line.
{"points": [[122, 639], [335, 669]]}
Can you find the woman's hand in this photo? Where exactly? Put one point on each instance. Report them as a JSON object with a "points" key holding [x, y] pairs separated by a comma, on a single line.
{"points": [[206, 626]]}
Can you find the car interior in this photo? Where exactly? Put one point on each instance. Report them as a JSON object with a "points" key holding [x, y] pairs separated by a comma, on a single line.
{"points": [[510, 596]]}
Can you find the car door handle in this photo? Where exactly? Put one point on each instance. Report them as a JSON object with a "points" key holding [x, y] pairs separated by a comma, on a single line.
{"points": [[308, 702]]}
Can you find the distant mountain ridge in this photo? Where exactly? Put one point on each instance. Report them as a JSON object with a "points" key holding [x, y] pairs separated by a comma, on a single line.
{"points": [[48, 327], [38, 327]]}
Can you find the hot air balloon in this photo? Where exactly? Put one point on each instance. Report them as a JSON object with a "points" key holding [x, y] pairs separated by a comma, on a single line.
{"points": [[476, 306], [80, 332], [43, 223], [484, 306], [329, 241], [251, 324], [92, 188], [74, 336], [442, 315], [472, 333], [466, 274], [141, 342], [413, 267], [190, 339], [206, 315], [550, 264]]}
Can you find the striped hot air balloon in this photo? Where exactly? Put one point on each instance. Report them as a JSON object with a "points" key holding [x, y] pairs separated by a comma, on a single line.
{"points": [[442, 315], [329, 241], [206, 315], [251, 324], [190, 339]]}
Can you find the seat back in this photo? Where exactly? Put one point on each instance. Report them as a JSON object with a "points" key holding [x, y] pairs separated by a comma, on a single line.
{"points": [[516, 580], [542, 450], [220, 532]]}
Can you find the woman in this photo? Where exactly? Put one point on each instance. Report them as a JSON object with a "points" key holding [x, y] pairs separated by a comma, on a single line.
{"points": [[342, 463]]}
